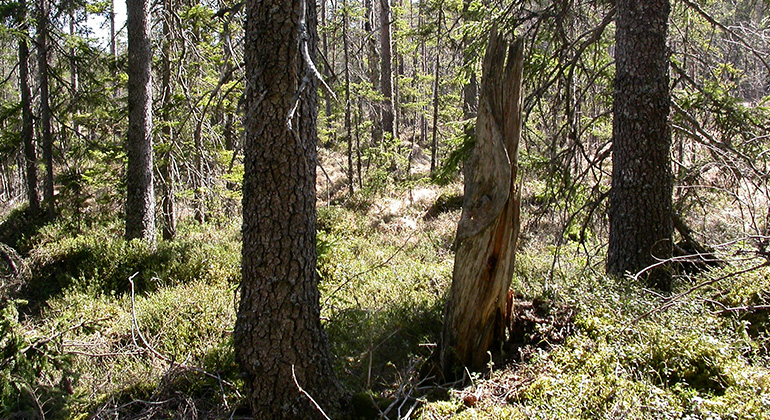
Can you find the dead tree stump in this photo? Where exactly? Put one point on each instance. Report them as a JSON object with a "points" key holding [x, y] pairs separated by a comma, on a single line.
{"points": [[476, 310]]}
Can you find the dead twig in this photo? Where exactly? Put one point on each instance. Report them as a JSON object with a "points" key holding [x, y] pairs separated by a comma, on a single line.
{"points": [[305, 393], [673, 300], [747, 308], [368, 270]]}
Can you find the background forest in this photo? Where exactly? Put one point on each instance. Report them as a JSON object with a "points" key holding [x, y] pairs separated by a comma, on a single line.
{"points": [[94, 326]]}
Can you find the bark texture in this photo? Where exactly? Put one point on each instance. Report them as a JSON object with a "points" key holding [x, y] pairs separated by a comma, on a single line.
{"points": [[471, 88], [476, 312], [168, 202], [27, 126], [45, 108], [640, 214], [278, 325], [373, 70], [140, 195], [386, 75]]}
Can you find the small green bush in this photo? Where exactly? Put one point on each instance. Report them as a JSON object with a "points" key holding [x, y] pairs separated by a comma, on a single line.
{"points": [[101, 261], [28, 360]]}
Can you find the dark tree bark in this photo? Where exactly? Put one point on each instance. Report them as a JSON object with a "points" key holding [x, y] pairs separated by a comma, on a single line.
{"points": [[45, 109], [278, 333], [476, 312], [374, 64], [640, 214], [27, 127], [140, 195], [348, 125], [328, 68], [113, 50], [437, 68], [168, 202], [386, 74], [470, 89], [74, 78]]}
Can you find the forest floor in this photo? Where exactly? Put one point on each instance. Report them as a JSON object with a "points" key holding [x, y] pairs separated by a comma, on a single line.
{"points": [[79, 340]]}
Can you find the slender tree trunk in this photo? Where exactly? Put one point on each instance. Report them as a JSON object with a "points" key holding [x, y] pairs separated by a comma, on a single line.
{"points": [[27, 127], [374, 64], [348, 128], [325, 49], [471, 88], [168, 203], [386, 74], [641, 223], [199, 179], [434, 142], [476, 312], [45, 109], [399, 71], [74, 72], [278, 336], [359, 115], [140, 194], [424, 109], [113, 49]]}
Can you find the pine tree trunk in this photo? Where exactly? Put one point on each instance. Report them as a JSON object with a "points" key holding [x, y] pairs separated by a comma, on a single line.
{"points": [[27, 127], [476, 312], [470, 89], [348, 128], [386, 74], [434, 142], [45, 109], [325, 50], [140, 193], [641, 223], [199, 180], [374, 64], [74, 79], [278, 334], [113, 49], [168, 202]]}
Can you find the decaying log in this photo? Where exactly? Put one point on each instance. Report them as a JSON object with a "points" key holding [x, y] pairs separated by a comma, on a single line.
{"points": [[476, 310]]}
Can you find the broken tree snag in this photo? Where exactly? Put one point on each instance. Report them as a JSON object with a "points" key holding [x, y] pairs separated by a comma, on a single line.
{"points": [[476, 310]]}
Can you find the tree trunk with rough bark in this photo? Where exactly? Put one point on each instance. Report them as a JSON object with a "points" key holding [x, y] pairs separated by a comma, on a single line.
{"points": [[45, 109], [113, 49], [140, 193], [386, 74], [436, 85], [476, 312], [641, 223], [471, 88], [348, 125], [27, 125], [374, 65], [278, 335], [166, 164]]}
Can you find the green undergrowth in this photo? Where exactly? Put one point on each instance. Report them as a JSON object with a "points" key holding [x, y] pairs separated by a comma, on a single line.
{"points": [[635, 354], [75, 344], [382, 286], [100, 261]]}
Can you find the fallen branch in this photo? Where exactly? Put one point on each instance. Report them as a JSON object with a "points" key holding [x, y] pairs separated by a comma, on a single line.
{"points": [[747, 308], [47, 340], [673, 300], [305, 393]]}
